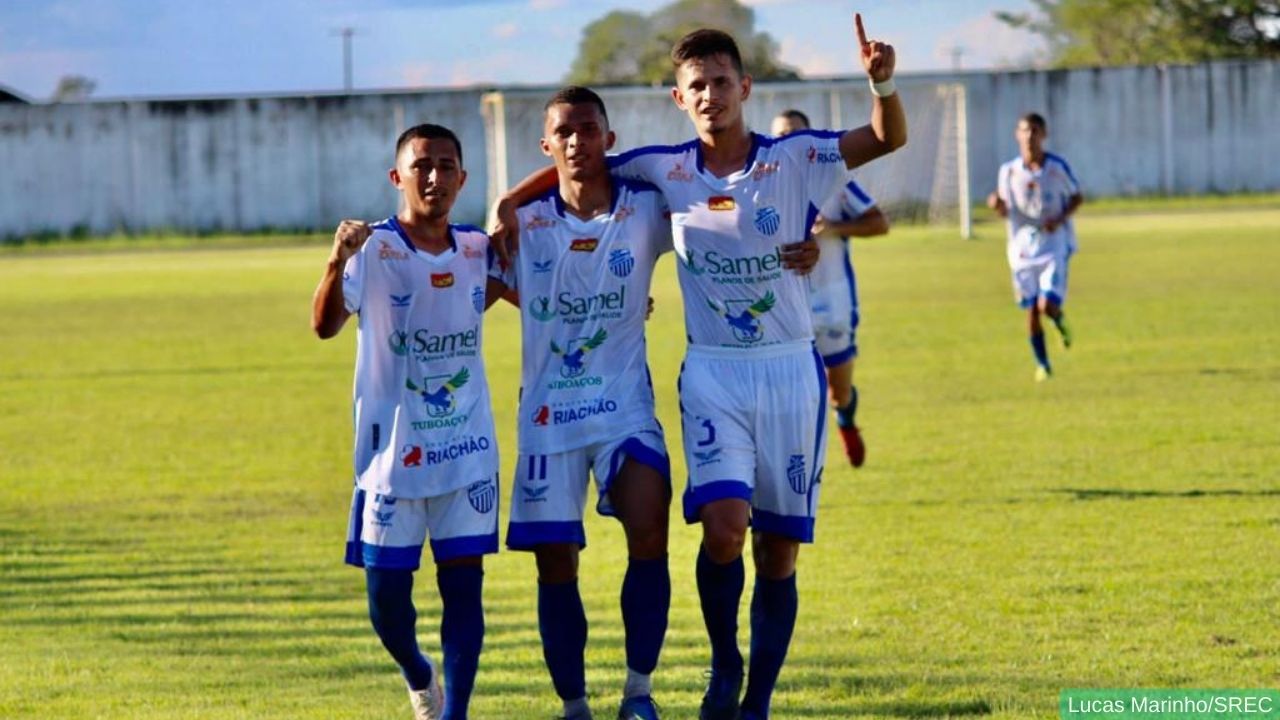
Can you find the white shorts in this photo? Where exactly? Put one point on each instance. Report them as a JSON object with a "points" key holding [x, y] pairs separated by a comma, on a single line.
{"points": [[388, 533], [549, 501], [1039, 271], [835, 322], [754, 429]]}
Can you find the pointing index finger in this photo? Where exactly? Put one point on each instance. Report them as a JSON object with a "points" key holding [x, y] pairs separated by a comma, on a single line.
{"points": [[862, 34]]}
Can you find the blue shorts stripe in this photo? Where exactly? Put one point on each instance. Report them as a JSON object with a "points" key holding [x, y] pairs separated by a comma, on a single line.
{"points": [[694, 499], [796, 528], [818, 437], [527, 535], [466, 546]]}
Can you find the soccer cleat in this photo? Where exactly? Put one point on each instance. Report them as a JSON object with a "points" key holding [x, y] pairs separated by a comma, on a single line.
{"points": [[641, 707], [721, 699], [1065, 330], [584, 715], [428, 704], [1042, 373], [854, 448]]}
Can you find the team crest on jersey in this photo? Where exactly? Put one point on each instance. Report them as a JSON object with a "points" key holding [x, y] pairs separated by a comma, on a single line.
{"points": [[440, 400], [767, 220], [398, 342], [796, 475], [584, 244], [537, 221], [621, 262], [542, 266], [743, 316], [540, 308], [386, 252], [575, 352], [477, 298], [411, 456], [721, 203], [442, 280], [764, 170], [482, 496], [677, 173]]}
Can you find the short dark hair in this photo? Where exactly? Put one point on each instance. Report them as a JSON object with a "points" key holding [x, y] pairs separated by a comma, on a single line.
{"points": [[705, 43], [577, 95], [1036, 119], [427, 131], [796, 116]]}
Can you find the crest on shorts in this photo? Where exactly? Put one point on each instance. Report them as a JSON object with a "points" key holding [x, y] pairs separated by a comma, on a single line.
{"points": [[482, 496], [796, 475]]}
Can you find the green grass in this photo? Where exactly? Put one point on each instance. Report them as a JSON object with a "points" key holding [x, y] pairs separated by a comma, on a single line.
{"points": [[174, 459]]}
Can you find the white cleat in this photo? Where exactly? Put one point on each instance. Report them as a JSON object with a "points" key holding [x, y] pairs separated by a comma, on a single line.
{"points": [[428, 704], [1042, 373]]}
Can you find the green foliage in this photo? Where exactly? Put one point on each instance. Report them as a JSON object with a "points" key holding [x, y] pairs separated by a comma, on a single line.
{"points": [[630, 48], [1144, 32], [176, 470]]}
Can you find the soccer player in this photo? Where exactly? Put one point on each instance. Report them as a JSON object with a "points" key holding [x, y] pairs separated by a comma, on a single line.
{"points": [[426, 457], [586, 401], [833, 296], [1038, 193], [751, 390]]}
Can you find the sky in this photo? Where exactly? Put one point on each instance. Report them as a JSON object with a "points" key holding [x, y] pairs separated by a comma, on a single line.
{"points": [[167, 48]]}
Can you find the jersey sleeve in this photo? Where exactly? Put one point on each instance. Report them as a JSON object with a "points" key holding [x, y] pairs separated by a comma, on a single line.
{"points": [[663, 240], [642, 163], [1003, 191], [856, 202], [1072, 185], [818, 152], [353, 281]]}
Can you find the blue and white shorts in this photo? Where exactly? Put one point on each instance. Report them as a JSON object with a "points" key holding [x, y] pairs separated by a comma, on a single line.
{"points": [[549, 501], [754, 430], [835, 322], [388, 533], [1039, 270]]}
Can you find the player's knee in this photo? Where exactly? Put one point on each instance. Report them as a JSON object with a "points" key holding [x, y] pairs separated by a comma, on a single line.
{"points": [[723, 538], [775, 556], [557, 562], [647, 537]]}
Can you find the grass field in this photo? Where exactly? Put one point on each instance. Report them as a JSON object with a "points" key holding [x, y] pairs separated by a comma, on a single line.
{"points": [[174, 480]]}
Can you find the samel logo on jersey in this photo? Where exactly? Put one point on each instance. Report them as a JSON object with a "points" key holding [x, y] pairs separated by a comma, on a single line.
{"points": [[721, 203], [575, 352], [584, 244], [442, 280], [742, 316]]}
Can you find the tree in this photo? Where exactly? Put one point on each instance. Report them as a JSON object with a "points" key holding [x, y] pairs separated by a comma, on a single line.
{"points": [[73, 88], [629, 48], [1143, 32]]}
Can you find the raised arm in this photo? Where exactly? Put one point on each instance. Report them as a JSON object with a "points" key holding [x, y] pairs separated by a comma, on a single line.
{"points": [[887, 130], [328, 306], [504, 229]]}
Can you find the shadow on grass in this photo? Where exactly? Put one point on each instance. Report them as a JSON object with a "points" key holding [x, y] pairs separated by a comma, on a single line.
{"points": [[1118, 494], [176, 372]]}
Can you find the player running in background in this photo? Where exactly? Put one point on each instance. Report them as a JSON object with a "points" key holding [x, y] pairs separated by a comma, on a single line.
{"points": [[834, 290], [426, 457], [1038, 193], [752, 386], [586, 400]]}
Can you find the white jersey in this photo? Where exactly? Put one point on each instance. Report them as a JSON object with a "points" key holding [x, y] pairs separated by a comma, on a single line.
{"points": [[728, 233], [584, 293], [1032, 197], [833, 269], [424, 426]]}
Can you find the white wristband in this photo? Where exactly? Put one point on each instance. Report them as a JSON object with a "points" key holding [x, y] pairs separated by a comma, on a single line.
{"points": [[883, 89]]}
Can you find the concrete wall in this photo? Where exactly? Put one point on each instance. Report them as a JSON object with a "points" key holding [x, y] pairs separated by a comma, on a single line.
{"points": [[232, 164], [305, 162]]}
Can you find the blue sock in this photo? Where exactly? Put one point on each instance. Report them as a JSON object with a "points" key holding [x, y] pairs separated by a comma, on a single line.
{"points": [[461, 634], [773, 617], [646, 600], [720, 590], [391, 610], [1037, 346], [844, 415], [562, 622]]}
